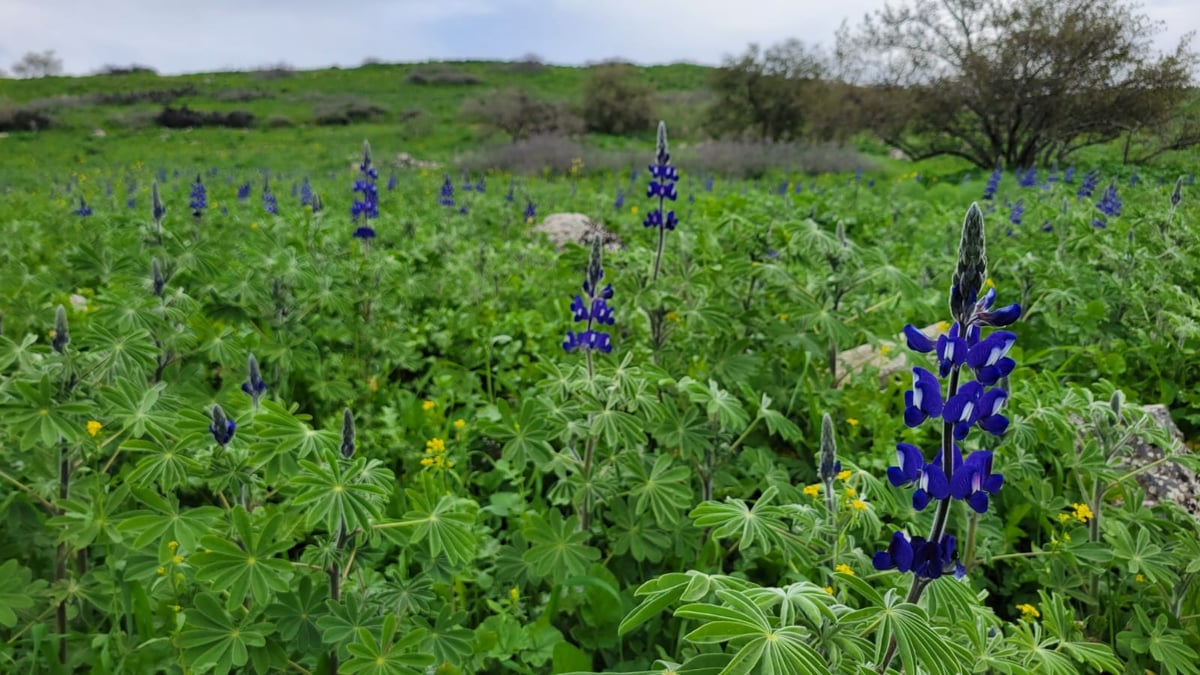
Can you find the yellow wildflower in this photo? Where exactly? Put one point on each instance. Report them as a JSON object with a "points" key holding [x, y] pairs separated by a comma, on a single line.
{"points": [[435, 446], [426, 461], [460, 423], [373, 384], [633, 209], [843, 568], [783, 317], [673, 317], [514, 594], [428, 405], [173, 545], [94, 427], [254, 226], [885, 349], [176, 608], [851, 492], [844, 474], [943, 326], [177, 559], [1064, 517], [1029, 612], [858, 505], [989, 283], [161, 571], [1141, 578], [812, 490], [851, 421], [828, 589], [1083, 512]]}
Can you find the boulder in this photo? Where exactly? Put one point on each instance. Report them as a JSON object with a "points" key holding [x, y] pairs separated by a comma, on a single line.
{"points": [[887, 356], [565, 228], [1169, 481]]}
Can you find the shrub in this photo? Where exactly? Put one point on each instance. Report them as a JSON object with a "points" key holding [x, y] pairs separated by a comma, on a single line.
{"points": [[530, 155], [520, 115], [184, 117], [158, 96], [131, 69], [529, 63], [616, 100], [23, 119], [440, 73], [279, 122], [346, 112], [277, 71], [754, 159], [241, 95]]}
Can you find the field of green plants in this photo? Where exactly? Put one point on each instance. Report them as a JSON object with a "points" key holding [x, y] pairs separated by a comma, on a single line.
{"points": [[294, 418]]}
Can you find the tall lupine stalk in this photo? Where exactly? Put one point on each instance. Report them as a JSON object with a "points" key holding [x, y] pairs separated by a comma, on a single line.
{"points": [[198, 200], [334, 572], [62, 338], [663, 177], [157, 210], [1176, 197], [828, 468], [591, 308], [366, 207], [949, 476], [254, 385]]}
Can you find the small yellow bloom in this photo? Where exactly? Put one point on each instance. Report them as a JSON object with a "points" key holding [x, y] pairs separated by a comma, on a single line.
{"points": [[843, 568], [844, 475], [1141, 578], [173, 545], [633, 209], [812, 490], [514, 594], [851, 492], [94, 427], [254, 226], [1029, 612], [373, 384], [1083, 512], [460, 423], [989, 283], [176, 608], [858, 505], [435, 446], [428, 405], [673, 317], [783, 317], [943, 326], [426, 461], [851, 421], [161, 571], [1064, 517], [177, 559], [828, 589], [885, 349]]}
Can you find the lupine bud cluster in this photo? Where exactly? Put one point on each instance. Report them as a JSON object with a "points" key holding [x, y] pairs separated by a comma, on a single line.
{"points": [[222, 427], [978, 403], [663, 177], [254, 385], [592, 307]]}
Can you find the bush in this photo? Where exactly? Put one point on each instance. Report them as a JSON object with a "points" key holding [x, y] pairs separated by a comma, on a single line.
{"points": [[277, 71], [279, 122], [184, 117], [23, 119], [346, 112], [157, 96], [131, 69], [241, 95], [531, 155], [520, 115], [616, 100], [529, 63], [440, 73]]}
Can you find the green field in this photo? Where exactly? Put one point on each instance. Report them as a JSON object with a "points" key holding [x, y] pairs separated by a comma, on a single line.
{"points": [[500, 504]]}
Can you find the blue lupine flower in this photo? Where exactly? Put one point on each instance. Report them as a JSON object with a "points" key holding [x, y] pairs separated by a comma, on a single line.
{"points": [[530, 210], [222, 428], [84, 209], [364, 232], [199, 198], [269, 203], [391, 181], [989, 190], [509, 196], [131, 202], [926, 559], [989, 357], [481, 185], [592, 307], [663, 177], [708, 183], [243, 192], [367, 206], [1177, 193], [1029, 178], [1069, 175], [306, 193], [1018, 210], [924, 400], [1133, 179], [1109, 205], [619, 202], [446, 196], [951, 350], [912, 469], [462, 210], [974, 481], [1088, 186]]}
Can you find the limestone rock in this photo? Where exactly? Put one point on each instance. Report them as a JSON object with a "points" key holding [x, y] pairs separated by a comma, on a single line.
{"points": [[564, 228], [888, 357]]}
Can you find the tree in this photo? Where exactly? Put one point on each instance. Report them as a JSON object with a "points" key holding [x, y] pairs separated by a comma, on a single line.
{"points": [[34, 64], [1012, 81], [768, 94], [520, 115], [616, 100]]}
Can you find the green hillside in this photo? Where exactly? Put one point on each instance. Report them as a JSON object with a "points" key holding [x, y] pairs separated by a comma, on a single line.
{"points": [[416, 109]]}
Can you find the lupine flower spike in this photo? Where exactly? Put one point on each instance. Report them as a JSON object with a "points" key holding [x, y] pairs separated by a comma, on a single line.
{"points": [[199, 198], [961, 350], [157, 279], [254, 385], [222, 427], [592, 308], [62, 333], [1177, 194], [366, 207], [828, 468], [269, 202], [663, 177], [84, 209], [157, 209]]}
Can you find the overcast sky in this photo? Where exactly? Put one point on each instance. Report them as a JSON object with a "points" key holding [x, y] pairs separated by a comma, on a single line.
{"points": [[202, 35]]}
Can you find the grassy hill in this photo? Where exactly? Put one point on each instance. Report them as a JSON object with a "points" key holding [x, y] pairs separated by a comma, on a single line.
{"points": [[411, 107]]}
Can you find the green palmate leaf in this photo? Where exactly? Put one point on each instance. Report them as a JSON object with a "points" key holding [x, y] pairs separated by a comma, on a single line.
{"points": [[166, 520], [761, 647], [283, 437], [296, 613], [1140, 555], [527, 434], [135, 408], [387, 655], [249, 564], [334, 492], [683, 430], [803, 600], [213, 639], [1164, 644], [617, 428], [446, 639], [760, 524], [632, 534], [776, 422], [17, 591], [447, 525], [23, 354], [91, 520], [344, 620], [557, 548], [670, 588], [665, 490], [129, 353], [921, 648], [41, 418], [720, 405], [165, 464]]}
